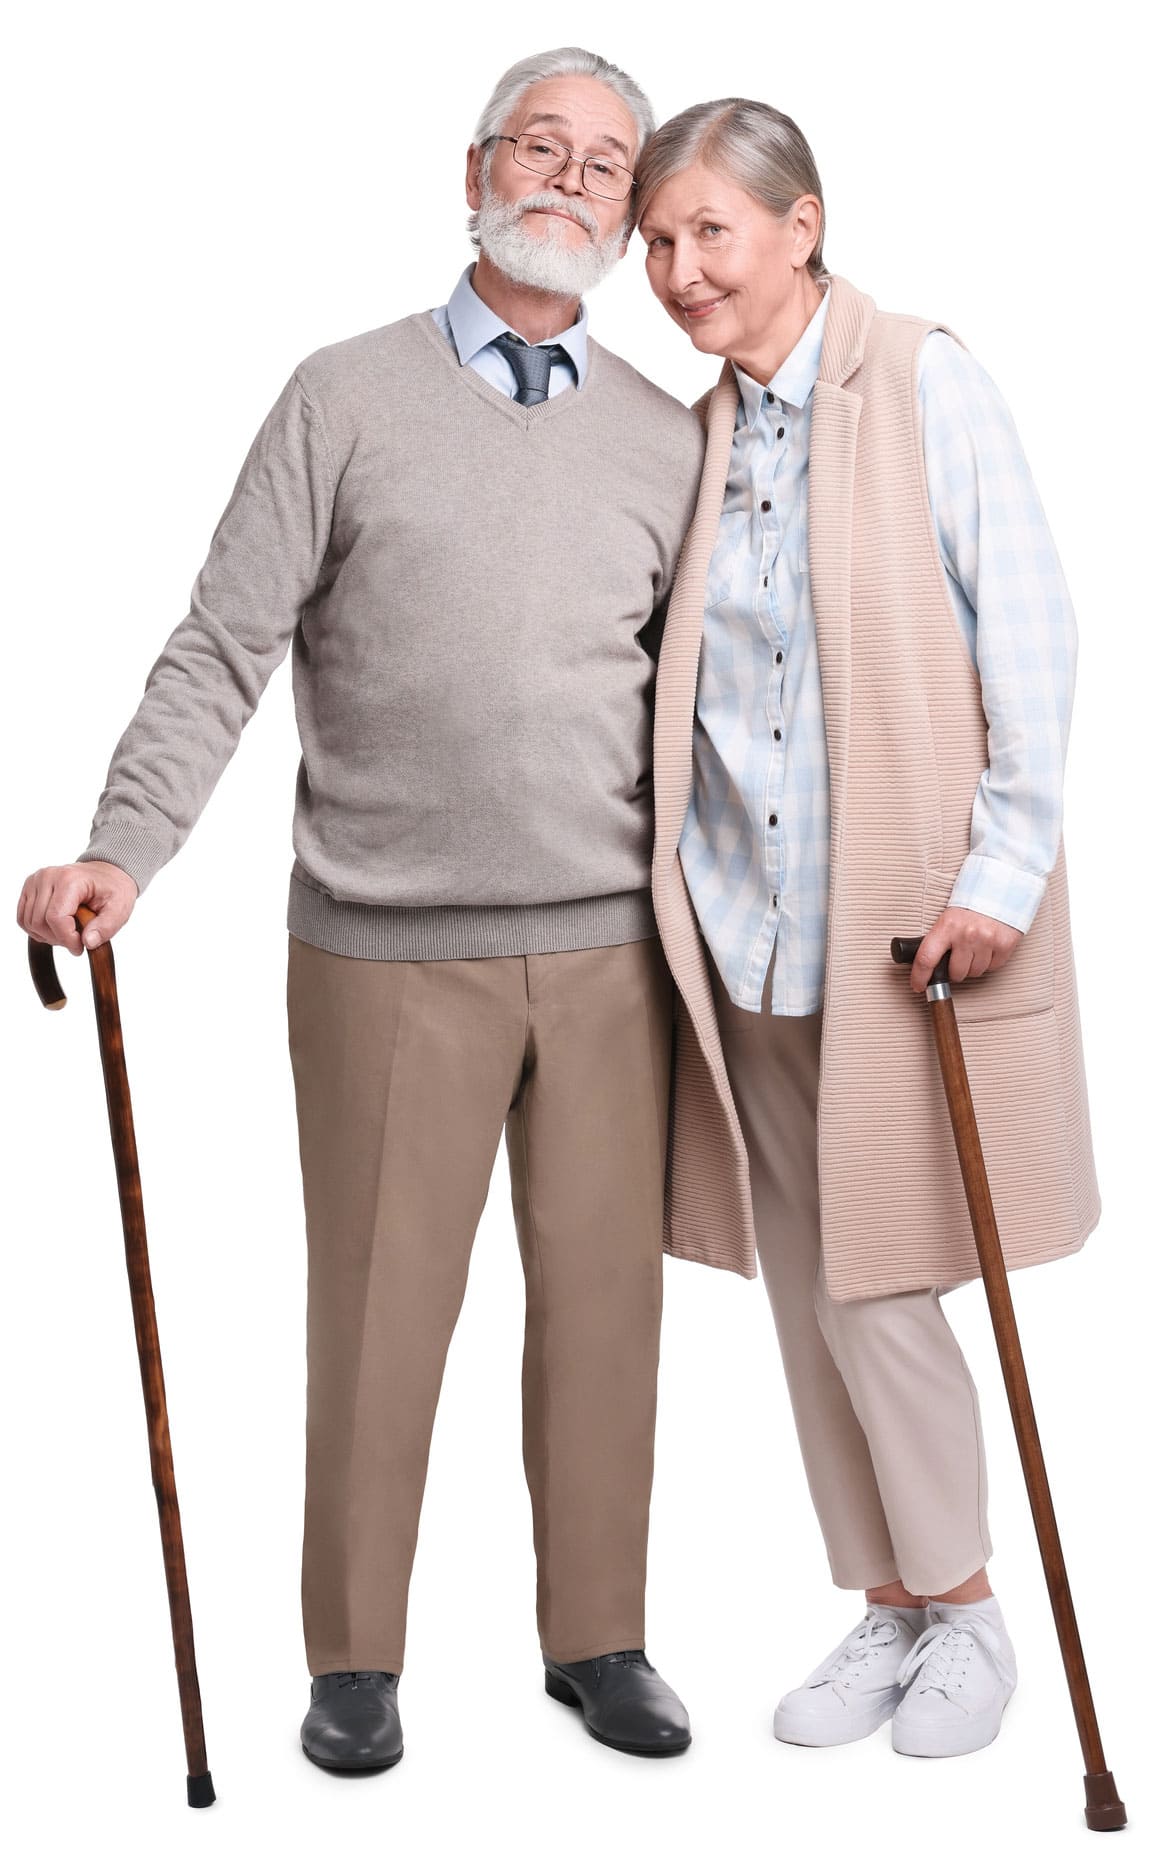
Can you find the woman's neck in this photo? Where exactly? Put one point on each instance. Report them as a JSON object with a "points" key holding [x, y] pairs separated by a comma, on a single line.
{"points": [[785, 331]]}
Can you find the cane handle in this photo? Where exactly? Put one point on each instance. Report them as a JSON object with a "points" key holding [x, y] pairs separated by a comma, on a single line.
{"points": [[44, 976], [904, 951]]}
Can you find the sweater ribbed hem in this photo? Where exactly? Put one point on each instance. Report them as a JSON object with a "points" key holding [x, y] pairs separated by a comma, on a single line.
{"points": [[463, 932]]}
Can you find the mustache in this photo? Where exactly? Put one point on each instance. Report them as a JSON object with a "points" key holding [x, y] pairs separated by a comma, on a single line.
{"points": [[549, 199]]}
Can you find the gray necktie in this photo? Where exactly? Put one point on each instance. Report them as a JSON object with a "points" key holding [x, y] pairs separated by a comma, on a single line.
{"points": [[530, 364]]}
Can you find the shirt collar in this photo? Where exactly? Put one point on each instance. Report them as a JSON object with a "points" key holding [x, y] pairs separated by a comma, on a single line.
{"points": [[795, 379], [473, 326]]}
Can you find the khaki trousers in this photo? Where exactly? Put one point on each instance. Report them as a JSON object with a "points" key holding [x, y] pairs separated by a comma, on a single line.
{"points": [[885, 1408], [406, 1074]]}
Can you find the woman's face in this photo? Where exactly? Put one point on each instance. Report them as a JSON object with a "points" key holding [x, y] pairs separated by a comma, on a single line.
{"points": [[722, 264]]}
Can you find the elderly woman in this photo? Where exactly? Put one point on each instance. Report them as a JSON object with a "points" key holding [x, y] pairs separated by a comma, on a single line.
{"points": [[862, 711]]}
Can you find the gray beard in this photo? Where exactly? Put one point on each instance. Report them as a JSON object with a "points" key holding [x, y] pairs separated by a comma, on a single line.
{"points": [[541, 261]]}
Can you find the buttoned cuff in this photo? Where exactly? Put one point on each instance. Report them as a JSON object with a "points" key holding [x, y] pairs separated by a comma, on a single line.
{"points": [[995, 889]]}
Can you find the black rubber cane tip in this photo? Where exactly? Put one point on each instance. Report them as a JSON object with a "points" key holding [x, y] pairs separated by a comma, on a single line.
{"points": [[201, 1790], [1104, 1811]]}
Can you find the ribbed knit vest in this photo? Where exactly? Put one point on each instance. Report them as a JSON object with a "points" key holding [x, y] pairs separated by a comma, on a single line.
{"points": [[907, 743]]}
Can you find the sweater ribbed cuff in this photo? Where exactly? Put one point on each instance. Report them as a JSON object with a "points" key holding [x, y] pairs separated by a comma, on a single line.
{"points": [[127, 843]]}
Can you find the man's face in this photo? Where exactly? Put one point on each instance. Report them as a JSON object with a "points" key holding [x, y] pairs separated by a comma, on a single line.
{"points": [[557, 212]]}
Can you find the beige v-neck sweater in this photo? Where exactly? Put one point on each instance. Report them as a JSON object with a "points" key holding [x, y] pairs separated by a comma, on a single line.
{"points": [[463, 582]]}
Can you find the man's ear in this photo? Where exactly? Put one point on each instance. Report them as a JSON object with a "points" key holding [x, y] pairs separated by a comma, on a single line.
{"points": [[474, 158]]}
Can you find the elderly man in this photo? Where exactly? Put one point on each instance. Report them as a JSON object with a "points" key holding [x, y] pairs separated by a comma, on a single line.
{"points": [[464, 523]]}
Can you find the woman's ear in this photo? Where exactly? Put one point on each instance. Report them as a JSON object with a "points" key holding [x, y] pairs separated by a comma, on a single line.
{"points": [[805, 229]]}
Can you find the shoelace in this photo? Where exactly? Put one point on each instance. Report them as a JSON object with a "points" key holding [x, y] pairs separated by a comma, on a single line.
{"points": [[361, 1680], [869, 1635], [941, 1652]]}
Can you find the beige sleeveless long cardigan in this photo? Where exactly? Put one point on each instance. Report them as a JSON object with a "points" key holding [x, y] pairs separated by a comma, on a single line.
{"points": [[907, 743]]}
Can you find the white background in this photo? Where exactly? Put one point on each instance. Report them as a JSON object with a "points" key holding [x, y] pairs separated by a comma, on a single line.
{"points": [[199, 197]]}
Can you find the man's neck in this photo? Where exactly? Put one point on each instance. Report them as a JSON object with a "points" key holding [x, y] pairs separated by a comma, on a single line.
{"points": [[533, 314], [785, 332]]}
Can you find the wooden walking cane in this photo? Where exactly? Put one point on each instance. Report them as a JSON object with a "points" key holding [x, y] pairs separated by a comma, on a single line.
{"points": [[1104, 1812], [120, 1112]]}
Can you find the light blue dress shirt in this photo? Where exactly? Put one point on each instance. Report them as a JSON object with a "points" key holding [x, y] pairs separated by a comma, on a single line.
{"points": [[470, 325], [755, 842]]}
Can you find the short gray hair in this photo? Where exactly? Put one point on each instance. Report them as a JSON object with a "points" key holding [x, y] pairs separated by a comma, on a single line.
{"points": [[756, 146], [564, 62]]}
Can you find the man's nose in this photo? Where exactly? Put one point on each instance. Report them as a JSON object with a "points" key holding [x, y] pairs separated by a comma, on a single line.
{"points": [[570, 179]]}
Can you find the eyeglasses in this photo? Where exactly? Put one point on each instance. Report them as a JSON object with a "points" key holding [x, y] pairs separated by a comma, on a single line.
{"points": [[600, 176]]}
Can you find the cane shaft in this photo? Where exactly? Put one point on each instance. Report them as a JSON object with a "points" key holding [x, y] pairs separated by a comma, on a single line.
{"points": [[149, 1354], [995, 1277]]}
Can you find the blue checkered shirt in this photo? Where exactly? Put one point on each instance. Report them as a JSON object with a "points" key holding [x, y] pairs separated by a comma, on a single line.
{"points": [[755, 842]]}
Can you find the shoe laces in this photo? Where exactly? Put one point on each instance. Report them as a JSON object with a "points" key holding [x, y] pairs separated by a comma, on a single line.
{"points": [[870, 1634], [362, 1680], [621, 1657], [942, 1654]]}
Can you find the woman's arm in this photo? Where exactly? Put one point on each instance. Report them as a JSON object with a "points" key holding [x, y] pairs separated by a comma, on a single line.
{"points": [[1016, 619]]}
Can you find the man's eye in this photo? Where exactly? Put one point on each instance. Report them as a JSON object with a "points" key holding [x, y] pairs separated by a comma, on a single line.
{"points": [[711, 227]]}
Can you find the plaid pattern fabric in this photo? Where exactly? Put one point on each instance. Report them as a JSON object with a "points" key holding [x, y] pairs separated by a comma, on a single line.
{"points": [[755, 844]]}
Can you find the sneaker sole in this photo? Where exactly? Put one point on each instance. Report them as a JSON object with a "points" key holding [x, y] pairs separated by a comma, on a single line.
{"points": [[819, 1734], [963, 1739]]}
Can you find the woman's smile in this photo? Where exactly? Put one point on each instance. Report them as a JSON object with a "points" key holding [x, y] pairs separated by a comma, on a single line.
{"points": [[700, 308]]}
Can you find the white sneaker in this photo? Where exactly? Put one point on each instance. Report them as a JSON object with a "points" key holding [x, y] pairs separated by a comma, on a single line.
{"points": [[856, 1688], [957, 1679]]}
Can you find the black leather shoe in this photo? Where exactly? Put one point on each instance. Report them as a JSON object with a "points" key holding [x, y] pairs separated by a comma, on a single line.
{"points": [[353, 1723], [624, 1702]]}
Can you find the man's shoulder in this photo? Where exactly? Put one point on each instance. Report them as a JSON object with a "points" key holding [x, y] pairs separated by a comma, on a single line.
{"points": [[349, 362], [701, 406], [650, 402]]}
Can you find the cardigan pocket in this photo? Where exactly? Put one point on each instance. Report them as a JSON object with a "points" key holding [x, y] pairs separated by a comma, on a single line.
{"points": [[1025, 985]]}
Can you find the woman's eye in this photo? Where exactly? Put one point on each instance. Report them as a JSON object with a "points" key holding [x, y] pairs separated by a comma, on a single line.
{"points": [[658, 240]]}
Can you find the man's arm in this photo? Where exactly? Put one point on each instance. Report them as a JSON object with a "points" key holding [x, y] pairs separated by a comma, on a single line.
{"points": [[263, 565]]}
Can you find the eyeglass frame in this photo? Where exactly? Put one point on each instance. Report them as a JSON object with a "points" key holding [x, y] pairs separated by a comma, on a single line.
{"points": [[550, 174]]}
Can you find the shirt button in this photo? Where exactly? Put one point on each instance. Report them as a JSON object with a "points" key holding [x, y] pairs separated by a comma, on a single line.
{"points": [[779, 653], [765, 578], [774, 819], [779, 435], [775, 903], [778, 734], [765, 506]]}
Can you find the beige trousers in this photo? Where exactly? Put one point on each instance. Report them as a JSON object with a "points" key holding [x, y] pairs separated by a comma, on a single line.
{"points": [[406, 1074], [885, 1408]]}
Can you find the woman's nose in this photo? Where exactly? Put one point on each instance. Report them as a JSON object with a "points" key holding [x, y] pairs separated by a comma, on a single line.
{"points": [[682, 276]]}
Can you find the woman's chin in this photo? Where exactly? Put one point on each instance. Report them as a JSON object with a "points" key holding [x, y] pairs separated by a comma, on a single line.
{"points": [[708, 337]]}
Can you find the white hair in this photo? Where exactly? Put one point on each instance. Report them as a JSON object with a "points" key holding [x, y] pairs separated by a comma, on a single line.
{"points": [[545, 261], [564, 62]]}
